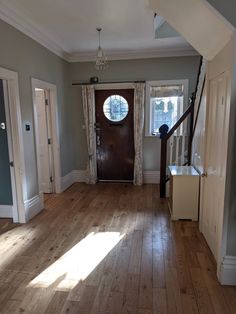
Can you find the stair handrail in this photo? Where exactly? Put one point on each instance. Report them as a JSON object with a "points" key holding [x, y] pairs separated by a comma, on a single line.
{"points": [[178, 123], [192, 128], [164, 140]]}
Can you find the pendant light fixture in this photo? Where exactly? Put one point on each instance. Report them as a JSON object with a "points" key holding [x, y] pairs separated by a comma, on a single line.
{"points": [[101, 62]]}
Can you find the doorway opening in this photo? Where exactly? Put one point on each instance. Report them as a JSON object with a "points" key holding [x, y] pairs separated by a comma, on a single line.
{"points": [[47, 136], [8, 201], [12, 168]]}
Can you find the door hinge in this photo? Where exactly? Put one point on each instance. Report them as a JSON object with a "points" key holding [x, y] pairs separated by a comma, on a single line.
{"points": [[51, 179], [46, 102], [204, 174], [49, 141], [222, 101], [11, 163]]}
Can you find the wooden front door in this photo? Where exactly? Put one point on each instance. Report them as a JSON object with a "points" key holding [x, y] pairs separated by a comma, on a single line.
{"points": [[115, 134]]}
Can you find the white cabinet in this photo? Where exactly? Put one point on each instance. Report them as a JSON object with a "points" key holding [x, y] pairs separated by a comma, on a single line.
{"points": [[184, 191]]}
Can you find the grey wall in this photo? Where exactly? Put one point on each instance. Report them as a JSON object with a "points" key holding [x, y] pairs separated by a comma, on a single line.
{"points": [[128, 70], [29, 59], [23, 55], [226, 8]]}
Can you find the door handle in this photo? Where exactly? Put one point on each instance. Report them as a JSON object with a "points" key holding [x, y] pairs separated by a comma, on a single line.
{"points": [[98, 140], [2, 126]]}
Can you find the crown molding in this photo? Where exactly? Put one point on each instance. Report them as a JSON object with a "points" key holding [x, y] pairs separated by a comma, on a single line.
{"points": [[29, 28], [134, 54], [13, 18]]}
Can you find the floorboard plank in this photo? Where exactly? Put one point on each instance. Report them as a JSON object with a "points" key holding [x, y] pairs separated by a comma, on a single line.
{"points": [[108, 249]]}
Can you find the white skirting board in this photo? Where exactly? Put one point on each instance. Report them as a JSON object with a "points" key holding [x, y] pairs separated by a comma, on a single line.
{"points": [[67, 181], [72, 177], [151, 177], [227, 274], [6, 211], [33, 206], [79, 175]]}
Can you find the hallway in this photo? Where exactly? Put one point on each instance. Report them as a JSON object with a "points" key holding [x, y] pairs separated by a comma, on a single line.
{"points": [[108, 248]]}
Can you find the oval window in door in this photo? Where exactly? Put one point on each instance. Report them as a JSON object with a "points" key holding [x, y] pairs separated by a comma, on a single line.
{"points": [[115, 108]]}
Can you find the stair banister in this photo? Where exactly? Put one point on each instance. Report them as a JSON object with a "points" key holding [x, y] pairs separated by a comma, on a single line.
{"points": [[188, 111]]}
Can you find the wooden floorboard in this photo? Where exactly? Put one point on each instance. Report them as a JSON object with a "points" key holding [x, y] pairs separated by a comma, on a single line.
{"points": [[107, 249]]}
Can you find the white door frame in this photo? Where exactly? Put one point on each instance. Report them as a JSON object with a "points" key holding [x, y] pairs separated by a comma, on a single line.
{"points": [[18, 178], [55, 130]]}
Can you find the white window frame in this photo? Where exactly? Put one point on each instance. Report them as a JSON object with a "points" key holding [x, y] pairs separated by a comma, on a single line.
{"points": [[148, 111]]}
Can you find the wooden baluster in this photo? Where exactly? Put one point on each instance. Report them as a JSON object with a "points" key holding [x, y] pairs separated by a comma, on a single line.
{"points": [[163, 168], [171, 149], [177, 150]]}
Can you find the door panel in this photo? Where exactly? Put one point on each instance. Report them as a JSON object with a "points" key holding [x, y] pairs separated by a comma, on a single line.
{"points": [[115, 135], [44, 159], [216, 154], [5, 174]]}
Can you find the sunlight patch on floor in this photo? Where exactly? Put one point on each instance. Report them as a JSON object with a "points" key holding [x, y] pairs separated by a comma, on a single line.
{"points": [[78, 262]]}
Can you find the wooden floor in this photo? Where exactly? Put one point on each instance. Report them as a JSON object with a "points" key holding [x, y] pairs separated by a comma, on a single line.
{"points": [[109, 248]]}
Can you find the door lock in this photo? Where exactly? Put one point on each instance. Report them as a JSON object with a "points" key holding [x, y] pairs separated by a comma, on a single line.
{"points": [[204, 174]]}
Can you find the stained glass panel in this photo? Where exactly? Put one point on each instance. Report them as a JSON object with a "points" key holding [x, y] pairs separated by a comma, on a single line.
{"points": [[115, 108]]}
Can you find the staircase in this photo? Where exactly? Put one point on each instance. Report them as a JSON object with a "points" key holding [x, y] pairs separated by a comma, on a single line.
{"points": [[176, 145]]}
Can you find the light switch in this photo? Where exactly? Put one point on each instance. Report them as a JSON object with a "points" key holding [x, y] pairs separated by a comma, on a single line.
{"points": [[27, 127]]}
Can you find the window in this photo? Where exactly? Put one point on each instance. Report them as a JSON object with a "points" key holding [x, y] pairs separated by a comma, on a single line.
{"points": [[115, 108], [165, 101]]}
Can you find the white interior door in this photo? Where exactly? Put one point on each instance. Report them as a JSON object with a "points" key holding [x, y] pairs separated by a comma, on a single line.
{"points": [[216, 154], [44, 142]]}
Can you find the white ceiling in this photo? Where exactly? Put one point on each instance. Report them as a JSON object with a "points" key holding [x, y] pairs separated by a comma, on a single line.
{"points": [[68, 27]]}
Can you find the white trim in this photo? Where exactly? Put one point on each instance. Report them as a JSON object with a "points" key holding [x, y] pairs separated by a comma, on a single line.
{"points": [[133, 54], [67, 181], [79, 175], [55, 129], [151, 177], [29, 28], [148, 114], [33, 206], [227, 272], [6, 211], [17, 142], [72, 177]]}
